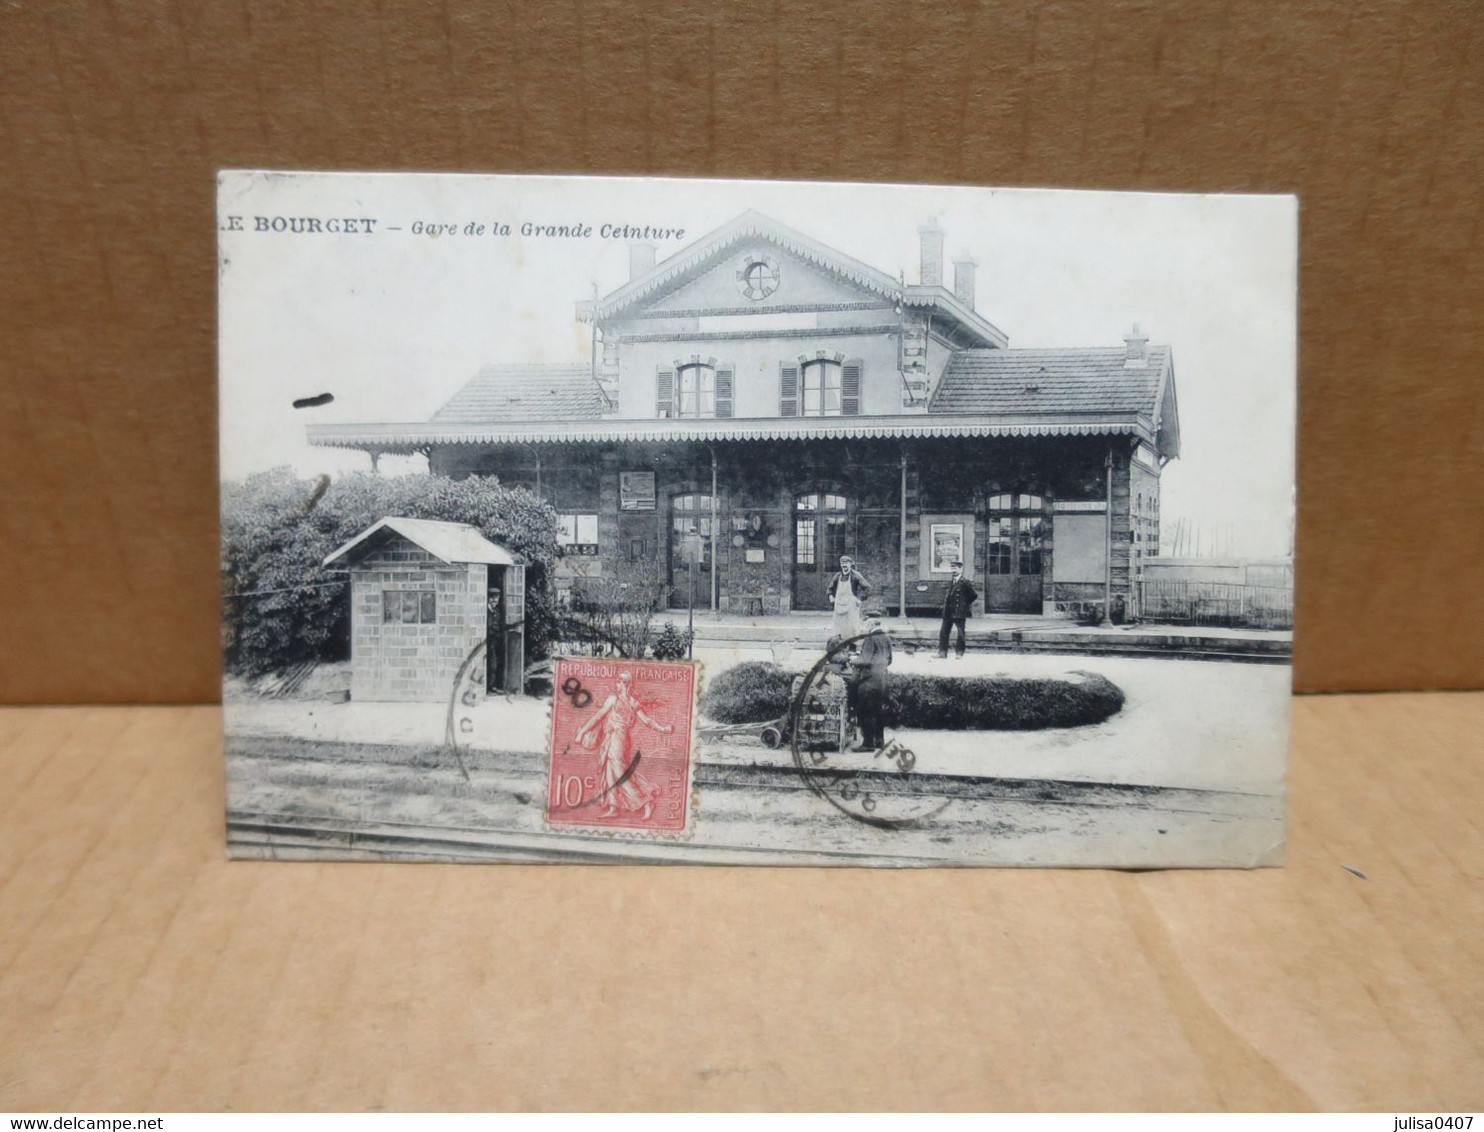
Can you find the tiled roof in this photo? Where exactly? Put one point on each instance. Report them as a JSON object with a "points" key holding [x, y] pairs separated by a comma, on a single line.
{"points": [[450, 542], [1092, 380], [526, 393], [983, 393]]}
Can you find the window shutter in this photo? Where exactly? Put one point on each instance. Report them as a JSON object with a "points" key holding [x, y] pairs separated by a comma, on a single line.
{"points": [[850, 388], [724, 391], [788, 391], [664, 392]]}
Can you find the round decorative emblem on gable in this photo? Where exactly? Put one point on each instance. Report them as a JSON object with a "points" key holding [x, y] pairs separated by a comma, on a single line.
{"points": [[758, 275]]}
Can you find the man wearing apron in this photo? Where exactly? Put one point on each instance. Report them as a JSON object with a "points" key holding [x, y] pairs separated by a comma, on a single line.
{"points": [[848, 589]]}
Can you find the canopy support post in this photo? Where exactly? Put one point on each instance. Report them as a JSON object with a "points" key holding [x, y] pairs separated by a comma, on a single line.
{"points": [[902, 545]]}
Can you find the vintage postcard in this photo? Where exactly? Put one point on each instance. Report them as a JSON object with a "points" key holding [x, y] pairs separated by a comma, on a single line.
{"points": [[738, 522]]}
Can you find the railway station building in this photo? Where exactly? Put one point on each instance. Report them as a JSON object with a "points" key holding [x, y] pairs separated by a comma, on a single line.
{"points": [[759, 404]]}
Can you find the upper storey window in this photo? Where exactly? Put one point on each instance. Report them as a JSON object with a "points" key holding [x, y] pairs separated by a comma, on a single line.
{"points": [[695, 389], [822, 389], [820, 386]]}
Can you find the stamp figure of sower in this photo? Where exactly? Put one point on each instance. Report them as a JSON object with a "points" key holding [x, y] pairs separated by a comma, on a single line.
{"points": [[610, 729]]}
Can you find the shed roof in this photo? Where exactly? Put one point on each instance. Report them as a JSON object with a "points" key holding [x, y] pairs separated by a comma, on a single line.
{"points": [[526, 393], [449, 542]]}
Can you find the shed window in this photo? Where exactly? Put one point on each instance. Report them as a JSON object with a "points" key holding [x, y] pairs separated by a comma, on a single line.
{"points": [[409, 607]]}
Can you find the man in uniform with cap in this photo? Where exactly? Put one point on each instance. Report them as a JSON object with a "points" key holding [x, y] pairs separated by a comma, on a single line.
{"points": [[871, 664], [956, 608]]}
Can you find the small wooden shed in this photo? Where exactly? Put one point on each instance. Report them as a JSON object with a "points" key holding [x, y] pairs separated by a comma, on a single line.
{"points": [[422, 597]]}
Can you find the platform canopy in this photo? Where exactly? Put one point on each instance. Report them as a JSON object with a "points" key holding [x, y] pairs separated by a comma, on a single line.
{"points": [[406, 438]]}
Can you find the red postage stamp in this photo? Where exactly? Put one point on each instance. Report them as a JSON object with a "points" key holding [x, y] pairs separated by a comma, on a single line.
{"points": [[621, 745]]}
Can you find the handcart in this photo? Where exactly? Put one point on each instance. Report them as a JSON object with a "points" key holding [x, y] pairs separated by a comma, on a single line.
{"points": [[825, 721]]}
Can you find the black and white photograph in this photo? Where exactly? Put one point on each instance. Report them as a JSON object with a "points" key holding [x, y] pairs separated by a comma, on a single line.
{"points": [[736, 522]]}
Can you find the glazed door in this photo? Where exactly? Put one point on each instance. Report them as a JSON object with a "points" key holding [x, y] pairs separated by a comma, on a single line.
{"points": [[690, 551], [494, 640], [821, 536], [1013, 558]]}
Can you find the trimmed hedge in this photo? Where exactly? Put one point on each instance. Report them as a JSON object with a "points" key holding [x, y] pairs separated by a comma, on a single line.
{"points": [[758, 691], [999, 703], [755, 691]]}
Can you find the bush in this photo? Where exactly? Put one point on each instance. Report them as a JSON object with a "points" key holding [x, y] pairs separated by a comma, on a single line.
{"points": [[614, 612], [758, 691], [672, 643], [282, 607], [755, 691]]}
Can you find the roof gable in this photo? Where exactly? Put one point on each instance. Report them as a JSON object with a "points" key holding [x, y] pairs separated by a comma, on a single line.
{"points": [[526, 393], [454, 543], [689, 263], [719, 284], [1167, 413]]}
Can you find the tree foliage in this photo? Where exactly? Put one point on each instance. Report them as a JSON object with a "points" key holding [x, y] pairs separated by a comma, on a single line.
{"points": [[672, 642], [282, 607], [612, 614]]}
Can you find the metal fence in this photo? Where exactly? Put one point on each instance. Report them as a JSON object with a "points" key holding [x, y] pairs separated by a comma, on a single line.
{"points": [[1216, 603]]}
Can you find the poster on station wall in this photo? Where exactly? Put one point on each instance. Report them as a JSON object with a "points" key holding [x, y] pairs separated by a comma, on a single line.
{"points": [[636, 491]]}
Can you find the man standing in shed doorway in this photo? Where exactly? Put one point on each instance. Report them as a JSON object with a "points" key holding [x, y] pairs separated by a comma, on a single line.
{"points": [[957, 606]]}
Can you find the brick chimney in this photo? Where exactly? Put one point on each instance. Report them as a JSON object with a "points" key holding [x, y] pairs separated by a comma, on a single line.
{"points": [[1136, 352], [963, 280], [641, 258], [930, 273]]}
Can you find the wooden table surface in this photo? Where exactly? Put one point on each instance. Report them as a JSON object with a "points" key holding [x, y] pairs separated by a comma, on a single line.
{"points": [[139, 970]]}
